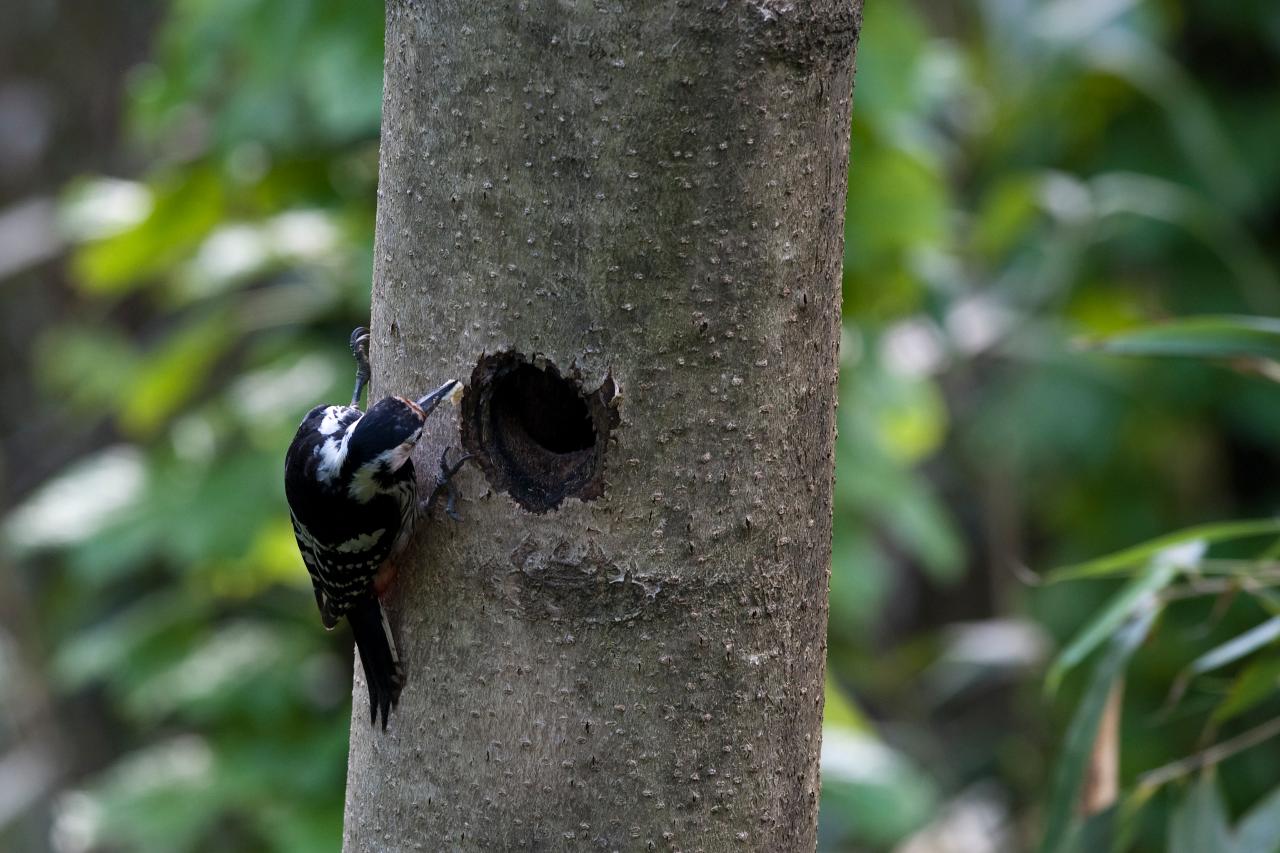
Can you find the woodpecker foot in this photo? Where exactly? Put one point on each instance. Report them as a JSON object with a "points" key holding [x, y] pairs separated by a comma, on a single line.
{"points": [[360, 349], [446, 487]]}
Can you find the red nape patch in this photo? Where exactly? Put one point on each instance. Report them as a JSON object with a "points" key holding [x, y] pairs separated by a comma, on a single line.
{"points": [[414, 407]]}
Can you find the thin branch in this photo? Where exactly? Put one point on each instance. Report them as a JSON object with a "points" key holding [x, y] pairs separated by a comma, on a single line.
{"points": [[1245, 568], [1209, 757], [1218, 586], [1023, 573], [1196, 589]]}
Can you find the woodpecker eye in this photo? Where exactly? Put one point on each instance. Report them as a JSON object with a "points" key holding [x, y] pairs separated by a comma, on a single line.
{"points": [[537, 434]]}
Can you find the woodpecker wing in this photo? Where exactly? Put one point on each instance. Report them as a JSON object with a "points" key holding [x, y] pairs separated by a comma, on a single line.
{"points": [[321, 574], [343, 552]]}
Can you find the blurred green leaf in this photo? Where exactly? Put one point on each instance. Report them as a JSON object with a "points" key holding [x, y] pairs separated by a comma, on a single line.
{"points": [[163, 797], [87, 366], [174, 373], [1259, 680], [899, 207], [302, 826], [1119, 194], [921, 525], [1095, 834], [212, 674], [1004, 215], [1259, 830], [894, 38], [871, 793], [1199, 823], [1127, 826], [840, 711], [1226, 653], [860, 579], [1133, 56], [1136, 596], [119, 645], [1120, 562], [1232, 650], [1078, 743], [77, 504], [1200, 337], [187, 206]]}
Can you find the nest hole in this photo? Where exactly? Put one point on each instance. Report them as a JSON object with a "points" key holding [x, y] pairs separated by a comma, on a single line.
{"points": [[538, 435]]}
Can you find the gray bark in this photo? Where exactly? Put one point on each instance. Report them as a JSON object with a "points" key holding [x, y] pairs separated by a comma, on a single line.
{"points": [[649, 198]]}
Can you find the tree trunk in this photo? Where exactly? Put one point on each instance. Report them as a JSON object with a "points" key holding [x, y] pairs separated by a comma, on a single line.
{"points": [[622, 226]]}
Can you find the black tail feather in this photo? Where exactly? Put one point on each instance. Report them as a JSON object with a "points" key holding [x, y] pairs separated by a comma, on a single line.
{"points": [[378, 656]]}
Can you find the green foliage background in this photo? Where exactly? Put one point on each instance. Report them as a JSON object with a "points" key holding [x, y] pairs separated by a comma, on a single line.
{"points": [[1024, 175]]}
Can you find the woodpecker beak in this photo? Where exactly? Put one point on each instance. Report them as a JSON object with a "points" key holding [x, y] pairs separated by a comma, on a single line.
{"points": [[433, 399]]}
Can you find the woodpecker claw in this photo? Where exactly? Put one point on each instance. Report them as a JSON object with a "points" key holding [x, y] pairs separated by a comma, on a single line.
{"points": [[445, 486], [360, 349]]}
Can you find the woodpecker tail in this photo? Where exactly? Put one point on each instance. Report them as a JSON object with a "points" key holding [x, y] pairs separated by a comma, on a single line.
{"points": [[378, 657]]}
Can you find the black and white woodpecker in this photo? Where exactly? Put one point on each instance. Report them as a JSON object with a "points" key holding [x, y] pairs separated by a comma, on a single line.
{"points": [[353, 499]]}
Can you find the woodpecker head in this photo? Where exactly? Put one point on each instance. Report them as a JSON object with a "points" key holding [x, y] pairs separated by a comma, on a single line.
{"points": [[382, 441]]}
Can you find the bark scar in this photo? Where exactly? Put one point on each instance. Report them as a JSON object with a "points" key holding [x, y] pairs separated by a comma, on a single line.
{"points": [[577, 580]]}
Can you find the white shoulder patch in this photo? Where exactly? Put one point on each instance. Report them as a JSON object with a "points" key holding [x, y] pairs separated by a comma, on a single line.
{"points": [[332, 454], [332, 420]]}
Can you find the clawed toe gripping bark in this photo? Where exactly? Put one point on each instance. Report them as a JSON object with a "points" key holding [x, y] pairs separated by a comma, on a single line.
{"points": [[445, 486], [360, 350]]}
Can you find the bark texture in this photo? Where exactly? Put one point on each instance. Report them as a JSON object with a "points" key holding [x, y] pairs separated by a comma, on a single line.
{"points": [[650, 198]]}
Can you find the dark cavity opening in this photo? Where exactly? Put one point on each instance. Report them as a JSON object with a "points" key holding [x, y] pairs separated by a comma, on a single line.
{"points": [[532, 404], [537, 435]]}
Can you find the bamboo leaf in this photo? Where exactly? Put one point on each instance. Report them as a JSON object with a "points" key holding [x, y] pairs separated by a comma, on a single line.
{"points": [[1139, 592], [1259, 830], [1128, 823], [1236, 648], [1078, 744], [1203, 337], [1226, 653], [1119, 562], [1210, 756], [1199, 823], [1095, 834], [1258, 681]]}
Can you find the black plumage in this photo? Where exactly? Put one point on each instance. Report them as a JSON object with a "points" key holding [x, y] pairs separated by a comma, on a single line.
{"points": [[353, 499]]}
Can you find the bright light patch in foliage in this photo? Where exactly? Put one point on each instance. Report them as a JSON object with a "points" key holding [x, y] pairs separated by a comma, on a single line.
{"points": [[101, 207], [79, 502]]}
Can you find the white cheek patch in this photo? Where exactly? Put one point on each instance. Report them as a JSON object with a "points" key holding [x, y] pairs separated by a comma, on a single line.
{"points": [[397, 456], [364, 485], [363, 542]]}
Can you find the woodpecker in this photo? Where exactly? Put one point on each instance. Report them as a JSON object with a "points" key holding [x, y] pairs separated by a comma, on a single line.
{"points": [[353, 500]]}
